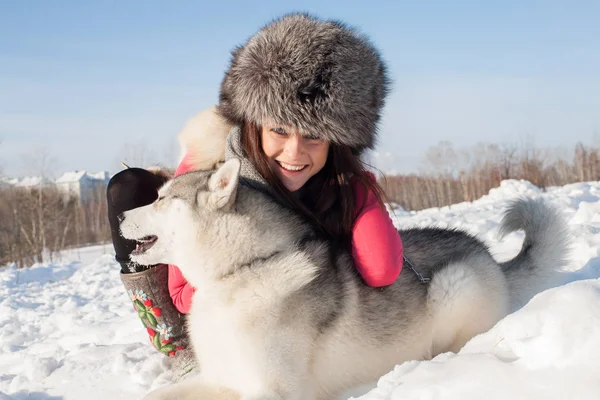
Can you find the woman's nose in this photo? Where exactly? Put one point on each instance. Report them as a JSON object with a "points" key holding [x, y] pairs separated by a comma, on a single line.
{"points": [[294, 145]]}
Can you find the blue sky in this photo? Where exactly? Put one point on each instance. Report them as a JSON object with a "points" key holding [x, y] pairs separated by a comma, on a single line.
{"points": [[91, 83]]}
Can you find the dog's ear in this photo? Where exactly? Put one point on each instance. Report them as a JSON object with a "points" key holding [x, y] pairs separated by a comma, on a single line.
{"points": [[222, 186]]}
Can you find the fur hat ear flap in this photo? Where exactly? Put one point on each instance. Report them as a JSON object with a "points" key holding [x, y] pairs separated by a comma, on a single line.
{"points": [[202, 140], [321, 77]]}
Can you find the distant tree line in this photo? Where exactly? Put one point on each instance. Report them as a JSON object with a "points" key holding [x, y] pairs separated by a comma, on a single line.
{"points": [[455, 175], [37, 222]]}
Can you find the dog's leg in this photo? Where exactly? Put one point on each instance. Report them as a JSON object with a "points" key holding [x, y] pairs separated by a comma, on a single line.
{"points": [[266, 361], [283, 387], [192, 390], [466, 299]]}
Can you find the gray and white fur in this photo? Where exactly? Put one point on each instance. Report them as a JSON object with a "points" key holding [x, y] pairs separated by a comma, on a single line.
{"points": [[279, 313], [321, 77]]}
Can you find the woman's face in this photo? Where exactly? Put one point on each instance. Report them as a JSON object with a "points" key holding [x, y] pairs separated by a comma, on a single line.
{"points": [[295, 158]]}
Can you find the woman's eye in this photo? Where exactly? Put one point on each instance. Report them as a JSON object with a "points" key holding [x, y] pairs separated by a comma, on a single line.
{"points": [[279, 131], [313, 139]]}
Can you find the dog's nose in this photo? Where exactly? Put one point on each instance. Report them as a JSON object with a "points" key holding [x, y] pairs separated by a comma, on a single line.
{"points": [[121, 217]]}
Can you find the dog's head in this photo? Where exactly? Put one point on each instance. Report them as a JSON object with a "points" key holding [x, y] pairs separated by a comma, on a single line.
{"points": [[168, 230]]}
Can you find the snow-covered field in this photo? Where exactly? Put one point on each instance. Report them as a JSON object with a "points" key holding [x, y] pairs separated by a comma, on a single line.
{"points": [[68, 331]]}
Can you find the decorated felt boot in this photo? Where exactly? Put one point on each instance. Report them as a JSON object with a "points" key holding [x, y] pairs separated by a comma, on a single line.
{"points": [[147, 285], [149, 293]]}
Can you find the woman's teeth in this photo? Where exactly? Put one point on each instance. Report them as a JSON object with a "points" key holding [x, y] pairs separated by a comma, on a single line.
{"points": [[290, 167]]}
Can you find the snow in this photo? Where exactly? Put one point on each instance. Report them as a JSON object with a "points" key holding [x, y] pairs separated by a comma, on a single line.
{"points": [[67, 177], [67, 330], [73, 176], [4, 181], [31, 181], [101, 176], [76, 176], [546, 350]]}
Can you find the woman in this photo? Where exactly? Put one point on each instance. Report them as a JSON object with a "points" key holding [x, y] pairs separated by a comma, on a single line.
{"points": [[298, 105]]}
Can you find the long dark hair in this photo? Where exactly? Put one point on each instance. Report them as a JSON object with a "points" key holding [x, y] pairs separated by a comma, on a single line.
{"points": [[328, 199]]}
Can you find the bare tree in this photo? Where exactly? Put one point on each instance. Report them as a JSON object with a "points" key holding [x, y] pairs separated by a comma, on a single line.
{"points": [[0, 163], [137, 154], [170, 154], [40, 162], [39, 220], [508, 159], [441, 158]]}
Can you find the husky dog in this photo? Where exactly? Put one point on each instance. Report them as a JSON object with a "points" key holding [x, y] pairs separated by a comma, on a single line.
{"points": [[279, 313]]}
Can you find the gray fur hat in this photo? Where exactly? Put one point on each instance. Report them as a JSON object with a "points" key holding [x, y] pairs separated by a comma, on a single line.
{"points": [[319, 76]]}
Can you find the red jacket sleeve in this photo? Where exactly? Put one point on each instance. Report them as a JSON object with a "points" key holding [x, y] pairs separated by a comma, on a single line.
{"points": [[376, 245], [181, 291]]}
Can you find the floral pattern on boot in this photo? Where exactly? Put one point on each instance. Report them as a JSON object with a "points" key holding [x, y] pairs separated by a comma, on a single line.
{"points": [[160, 334]]}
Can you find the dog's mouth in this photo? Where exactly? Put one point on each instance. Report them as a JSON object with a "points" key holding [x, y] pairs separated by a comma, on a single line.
{"points": [[144, 244]]}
